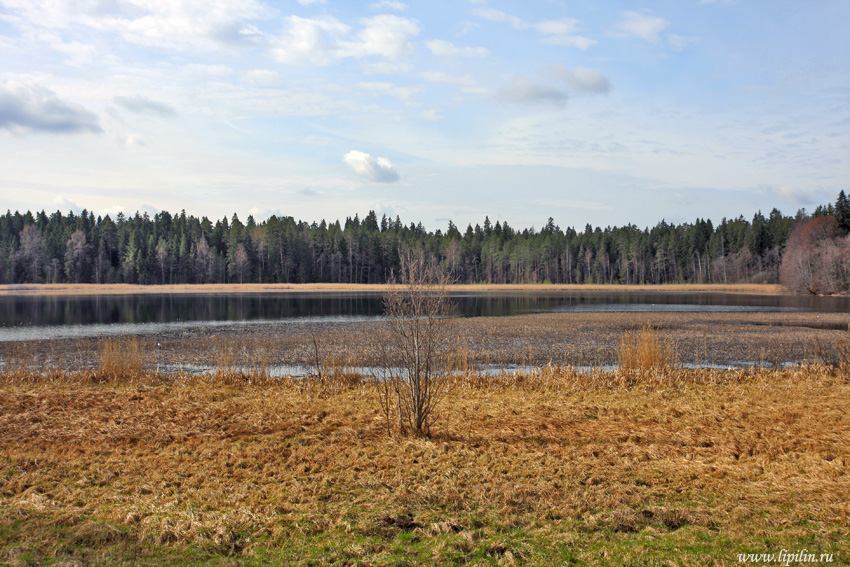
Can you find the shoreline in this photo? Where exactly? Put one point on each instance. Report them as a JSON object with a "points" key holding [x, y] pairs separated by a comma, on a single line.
{"points": [[13, 290]]}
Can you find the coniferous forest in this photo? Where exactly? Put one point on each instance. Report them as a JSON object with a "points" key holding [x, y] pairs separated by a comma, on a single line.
{"points": [[178, 249]]}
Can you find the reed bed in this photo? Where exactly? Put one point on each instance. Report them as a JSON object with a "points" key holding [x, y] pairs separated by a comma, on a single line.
{"points": [[583, 340]]}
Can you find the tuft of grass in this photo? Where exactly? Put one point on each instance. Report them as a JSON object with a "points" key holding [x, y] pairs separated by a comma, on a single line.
{"points": [[841, 359], [642, 354], [120, 361]]}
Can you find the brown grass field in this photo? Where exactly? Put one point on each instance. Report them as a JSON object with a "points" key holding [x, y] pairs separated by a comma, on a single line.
{"points": [[647, 464], [536, 471], [116, 289], [111, 455]]}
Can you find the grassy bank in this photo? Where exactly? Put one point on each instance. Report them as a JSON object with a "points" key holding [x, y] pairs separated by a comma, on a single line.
{"points": [[621, 468], [118, 289]]}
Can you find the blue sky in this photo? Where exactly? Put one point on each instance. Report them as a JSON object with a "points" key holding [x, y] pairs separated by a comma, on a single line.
{"points": [[601, 112]]}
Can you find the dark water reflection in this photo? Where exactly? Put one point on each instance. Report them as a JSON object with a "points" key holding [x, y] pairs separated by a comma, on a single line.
{"points": [[170, 308], [62, 311]]}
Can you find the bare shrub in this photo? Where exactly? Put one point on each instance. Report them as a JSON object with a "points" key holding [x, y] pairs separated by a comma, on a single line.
{"points": [[415, 350]]}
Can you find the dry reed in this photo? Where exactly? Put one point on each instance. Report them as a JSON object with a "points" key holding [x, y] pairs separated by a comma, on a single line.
{"points": [[642, 356], [556, 456], [120, 361], [124, 289]]}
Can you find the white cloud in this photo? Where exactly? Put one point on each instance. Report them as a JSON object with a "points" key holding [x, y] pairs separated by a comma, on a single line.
{"points": [[198, 24], [64, 205], [680, 42], [326, 40], [131, 141], [431, 115], [384, 35], [562, 32], [75, 53], [403, 93], [639, 25], [264, 213], [310, 2], [139, 104], [262, 77], [522, 90], [796, 195], [379, 170], [582, 79], [468, 84], [555, 32], [476, 90], [564, 26], [203, 70], [493, 15], [442, 48], [388, 5], [147, 208], [443, 77], [112, 211], [310, 41], [577, 41], [33, 108], [386, 68]]}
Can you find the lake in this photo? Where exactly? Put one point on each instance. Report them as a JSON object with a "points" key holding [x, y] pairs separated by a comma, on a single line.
{"points": [[51, 317]]}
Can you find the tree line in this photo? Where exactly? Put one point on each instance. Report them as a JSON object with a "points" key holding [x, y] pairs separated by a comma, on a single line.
{"points": [[178, 249]]}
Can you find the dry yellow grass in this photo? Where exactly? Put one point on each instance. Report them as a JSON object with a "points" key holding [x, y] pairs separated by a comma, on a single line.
{"points": [[117, 289], [643, 354], [694, 470], [650, 462], [120, 360]]}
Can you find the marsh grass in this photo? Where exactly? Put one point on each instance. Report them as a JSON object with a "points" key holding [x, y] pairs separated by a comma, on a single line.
{"points": [[642, 355], [243, 362], [582, 340], [107, 461], [842, 358], [535, 469], [120, 361], [835, 352]]}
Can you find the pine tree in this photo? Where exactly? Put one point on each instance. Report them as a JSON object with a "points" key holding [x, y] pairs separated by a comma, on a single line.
{"points": [[842, 212]]}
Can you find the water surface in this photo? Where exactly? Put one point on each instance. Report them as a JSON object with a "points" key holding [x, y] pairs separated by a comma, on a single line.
{"points": [[50, 317]]}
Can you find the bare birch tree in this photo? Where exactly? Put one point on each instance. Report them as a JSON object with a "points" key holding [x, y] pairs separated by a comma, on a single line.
{"points": [[32, 252], [417, 344]]}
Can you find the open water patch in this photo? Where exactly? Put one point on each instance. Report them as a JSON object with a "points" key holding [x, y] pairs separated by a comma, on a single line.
{"points": [[380, 373], [53, 332], [668, 308]]}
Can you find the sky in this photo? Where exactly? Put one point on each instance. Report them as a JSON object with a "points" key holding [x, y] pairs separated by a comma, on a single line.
{"points": [[609, 112]]}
